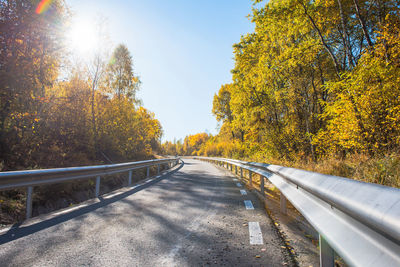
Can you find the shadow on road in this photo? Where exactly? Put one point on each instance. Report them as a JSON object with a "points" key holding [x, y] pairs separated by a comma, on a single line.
{"points": [[194, 218], [16, 231]]}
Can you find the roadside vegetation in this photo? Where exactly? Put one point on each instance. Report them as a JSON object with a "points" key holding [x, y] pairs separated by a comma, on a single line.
{"points": [[315, 86], [58, 109]]}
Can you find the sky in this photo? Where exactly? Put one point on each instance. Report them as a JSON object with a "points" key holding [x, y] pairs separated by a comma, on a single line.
{"points": [[182, 51]]}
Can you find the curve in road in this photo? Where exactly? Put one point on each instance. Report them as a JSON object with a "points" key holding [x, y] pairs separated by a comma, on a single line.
{"points": [[197, 215]]}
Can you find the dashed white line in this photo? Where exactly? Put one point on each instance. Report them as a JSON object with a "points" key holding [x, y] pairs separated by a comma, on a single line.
{"points": [[243, 192], [255, 233], [238, 184], [249, 205]]}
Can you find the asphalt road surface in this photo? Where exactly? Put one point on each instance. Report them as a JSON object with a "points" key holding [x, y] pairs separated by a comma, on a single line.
{"points": [[196, 215]]}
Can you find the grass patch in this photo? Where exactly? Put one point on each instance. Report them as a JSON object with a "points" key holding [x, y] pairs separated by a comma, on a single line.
{"points": [[384, 170]]}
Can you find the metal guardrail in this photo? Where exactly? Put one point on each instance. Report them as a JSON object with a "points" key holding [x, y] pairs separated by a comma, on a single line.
{"points": [[30, 178], [357, 220]]}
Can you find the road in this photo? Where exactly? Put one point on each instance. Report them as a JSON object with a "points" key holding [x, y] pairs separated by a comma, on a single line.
{"points": [[193, 216]]}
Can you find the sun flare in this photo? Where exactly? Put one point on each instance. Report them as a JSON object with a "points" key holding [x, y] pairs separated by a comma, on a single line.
{"points": [[81, 37]]}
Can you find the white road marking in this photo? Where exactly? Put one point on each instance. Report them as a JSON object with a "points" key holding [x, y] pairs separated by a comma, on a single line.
{"points": [[70, 209], [255, 234], [249, 205], [235, 179], [238, 184], [112, 195], [243, 192], [5, 230]]}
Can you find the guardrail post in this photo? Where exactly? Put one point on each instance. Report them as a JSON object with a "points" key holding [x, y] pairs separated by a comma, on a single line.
{"points": [[283, 204], [29, 198], [262, 185], [241, 172], [326, 253], [130, 178], [235, 169], [158, 169], [97, 186], [251, 178], [148, 172]]}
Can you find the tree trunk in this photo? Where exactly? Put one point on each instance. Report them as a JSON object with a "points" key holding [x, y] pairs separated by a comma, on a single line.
{"points": [[362, 23]]}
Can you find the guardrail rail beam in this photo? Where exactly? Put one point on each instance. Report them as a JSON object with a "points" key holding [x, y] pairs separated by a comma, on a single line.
{"points": [[358, 221]]}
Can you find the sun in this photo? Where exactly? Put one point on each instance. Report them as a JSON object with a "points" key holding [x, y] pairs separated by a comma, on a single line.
{"points": [[81, 37]]}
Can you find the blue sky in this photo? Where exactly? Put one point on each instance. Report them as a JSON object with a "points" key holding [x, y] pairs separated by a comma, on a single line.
{"points": [[182, 51]]}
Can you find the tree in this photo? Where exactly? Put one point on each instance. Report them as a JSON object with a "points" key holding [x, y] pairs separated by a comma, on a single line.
{"points": [[221, 104], [46, 121], [96, 67], [121, 79], [315, 79], [30, 53]]}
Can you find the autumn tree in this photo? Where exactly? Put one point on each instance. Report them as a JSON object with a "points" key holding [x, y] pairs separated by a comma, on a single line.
{"points": [[121, 79], [315, 79], [52, 118], [30, 50]]}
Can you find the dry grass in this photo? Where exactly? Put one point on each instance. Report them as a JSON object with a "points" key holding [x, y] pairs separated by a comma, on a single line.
{"points": [[384, 170]]}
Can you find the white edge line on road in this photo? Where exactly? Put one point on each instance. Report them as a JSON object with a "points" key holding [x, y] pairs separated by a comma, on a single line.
{"points": [[243, 192], [111, 195], [235, 179], [249, 205], [238, 184], [70, 209], [255, 234]]}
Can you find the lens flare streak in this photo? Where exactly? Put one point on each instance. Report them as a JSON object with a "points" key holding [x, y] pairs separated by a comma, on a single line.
{"points": [[43, 6]]}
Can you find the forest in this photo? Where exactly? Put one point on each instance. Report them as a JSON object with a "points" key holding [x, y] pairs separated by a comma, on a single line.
{"points": [[58, 111], [315, 86]]}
